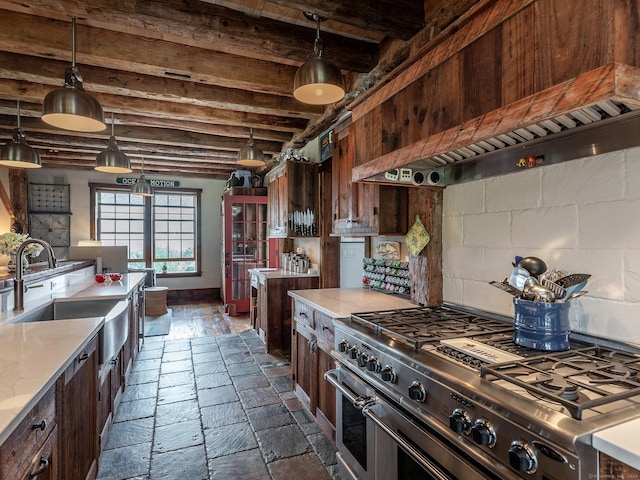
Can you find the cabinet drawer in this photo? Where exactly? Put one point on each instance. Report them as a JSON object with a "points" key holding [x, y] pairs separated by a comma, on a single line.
{"points": [[80, 359], [303, 314], [17, 452], [45, 462], [324, 330]]}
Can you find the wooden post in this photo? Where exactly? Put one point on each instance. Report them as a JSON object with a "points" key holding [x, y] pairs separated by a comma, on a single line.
{"points": [[18, 187]]}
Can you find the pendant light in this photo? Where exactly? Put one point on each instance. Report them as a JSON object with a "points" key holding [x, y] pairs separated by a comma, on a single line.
{"points": [[142, 186], [250, 155], [318, 81], [112, 160], [70, 107], [16, 153]]}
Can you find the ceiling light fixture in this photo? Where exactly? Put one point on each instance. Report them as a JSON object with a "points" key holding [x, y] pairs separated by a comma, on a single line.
{"points": [[112, 160], [142, 186], [318, 81], [70, 107], [250, 155], [16, 153]]}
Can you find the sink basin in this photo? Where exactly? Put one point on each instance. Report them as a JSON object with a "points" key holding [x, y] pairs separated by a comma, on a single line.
{"points": [[115, 312]]}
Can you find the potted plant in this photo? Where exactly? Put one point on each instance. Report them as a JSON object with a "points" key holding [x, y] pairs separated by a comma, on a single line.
{"points": [[9, 244]]}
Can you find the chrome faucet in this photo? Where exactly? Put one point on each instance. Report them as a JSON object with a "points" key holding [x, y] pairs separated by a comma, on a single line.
{"points": [[18, 286]]}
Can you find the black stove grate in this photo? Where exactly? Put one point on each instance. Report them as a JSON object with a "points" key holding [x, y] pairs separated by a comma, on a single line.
{"points": [[577, 379], [426, 325]]}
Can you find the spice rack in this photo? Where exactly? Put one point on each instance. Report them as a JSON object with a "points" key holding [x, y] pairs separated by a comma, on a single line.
{"points": [[388, 276]]}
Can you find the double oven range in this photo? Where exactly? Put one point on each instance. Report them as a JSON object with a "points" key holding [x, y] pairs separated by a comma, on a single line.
{"points": [[445, 393]]}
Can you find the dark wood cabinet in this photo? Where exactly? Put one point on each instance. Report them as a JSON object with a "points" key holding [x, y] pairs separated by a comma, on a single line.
{"points": [[30, 448], [273, 318], [293, 200], [311, 345], [363, 209], [76, 412]]}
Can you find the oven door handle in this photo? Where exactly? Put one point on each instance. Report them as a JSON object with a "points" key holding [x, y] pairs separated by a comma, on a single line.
{"points": [[359, 402], [406, 446]]}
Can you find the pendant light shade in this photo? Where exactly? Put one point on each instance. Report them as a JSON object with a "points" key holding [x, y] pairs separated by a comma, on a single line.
{"points": [[16, 153], [112, 160], [250, 155], [318, 81], [142, 186], [70, 107]]}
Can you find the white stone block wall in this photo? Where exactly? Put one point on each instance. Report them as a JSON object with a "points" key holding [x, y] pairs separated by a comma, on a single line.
{"points": [[582, 216]]}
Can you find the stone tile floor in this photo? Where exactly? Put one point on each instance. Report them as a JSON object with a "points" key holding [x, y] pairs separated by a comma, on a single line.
{"points": [[214, 407]]}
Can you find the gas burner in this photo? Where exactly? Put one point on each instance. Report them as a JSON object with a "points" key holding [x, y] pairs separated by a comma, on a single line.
{"points": [[556, 385], [611, 371]]}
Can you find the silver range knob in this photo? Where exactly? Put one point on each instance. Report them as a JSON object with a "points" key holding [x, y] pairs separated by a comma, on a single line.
{"points": [[362, 360], [522, 458], [417, 391], [373, 365], [459, 421], [354, 352], [343, 346], [388, 374], [483, 433]]}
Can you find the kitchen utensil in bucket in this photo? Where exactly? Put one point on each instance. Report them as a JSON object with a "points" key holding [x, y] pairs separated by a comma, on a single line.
{"points": [[541, 325]]}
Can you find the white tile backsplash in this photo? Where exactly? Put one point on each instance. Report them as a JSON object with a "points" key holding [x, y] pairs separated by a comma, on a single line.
{"points": [[580, 216], [544, 228], [487, 229]]}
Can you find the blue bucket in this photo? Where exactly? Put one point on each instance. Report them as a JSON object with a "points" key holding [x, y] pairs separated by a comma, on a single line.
{"points": [[541, 325]]}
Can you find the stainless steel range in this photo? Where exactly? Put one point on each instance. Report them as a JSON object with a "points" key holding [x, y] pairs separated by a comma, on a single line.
{"points": [[445, 393]]}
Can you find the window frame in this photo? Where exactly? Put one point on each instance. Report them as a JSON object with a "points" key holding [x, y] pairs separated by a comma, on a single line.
{"points": [[148, 222]]}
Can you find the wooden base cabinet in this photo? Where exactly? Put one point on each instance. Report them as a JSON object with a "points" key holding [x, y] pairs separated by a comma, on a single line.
{"points": [[32, 447], [311, 344], [76, 413], [273, 318]]}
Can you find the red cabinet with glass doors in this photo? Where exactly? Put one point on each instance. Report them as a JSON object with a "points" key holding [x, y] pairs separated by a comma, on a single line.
{"points": [[244, 245]]}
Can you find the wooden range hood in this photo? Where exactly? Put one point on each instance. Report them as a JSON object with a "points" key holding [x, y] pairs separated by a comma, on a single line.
{"points": [[511, 82]]}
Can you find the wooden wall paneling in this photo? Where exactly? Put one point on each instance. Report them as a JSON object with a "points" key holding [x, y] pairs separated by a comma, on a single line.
{"points": [[368, 137], [426, 268], [329, 246], [626, 17], [417, 124], [446, 97], [489, 15], [480, 81], [570, 38], [368, 204], [518, 54], [393, 123], [393, 209]]}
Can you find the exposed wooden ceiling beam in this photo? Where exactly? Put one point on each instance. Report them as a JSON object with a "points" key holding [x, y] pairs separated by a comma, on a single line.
{"points": [[201, 25], [116, 82], [396, 18]]}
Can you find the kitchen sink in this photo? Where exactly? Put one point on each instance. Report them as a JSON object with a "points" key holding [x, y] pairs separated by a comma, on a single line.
{"points": [[115, 312]]}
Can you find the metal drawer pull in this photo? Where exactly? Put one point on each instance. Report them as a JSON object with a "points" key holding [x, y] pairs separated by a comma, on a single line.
{"points": [[39, 426], [45, 464], [83, 357], [406, 446]]}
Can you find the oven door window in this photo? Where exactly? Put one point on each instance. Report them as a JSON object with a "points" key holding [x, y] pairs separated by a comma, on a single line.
{"points": [[354, 432]]}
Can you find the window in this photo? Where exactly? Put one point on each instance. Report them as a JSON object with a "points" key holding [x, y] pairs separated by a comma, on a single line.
{"points": [[161, 231]]}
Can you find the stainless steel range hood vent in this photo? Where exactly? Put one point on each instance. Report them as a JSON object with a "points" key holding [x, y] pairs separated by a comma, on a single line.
{"points": [[561, 123], [600, 128]]}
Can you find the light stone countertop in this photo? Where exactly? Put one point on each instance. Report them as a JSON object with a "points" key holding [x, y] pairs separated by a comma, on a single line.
{"points": [[266, 273], [342, 302], [620, 442], [33, 355]]}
